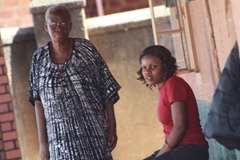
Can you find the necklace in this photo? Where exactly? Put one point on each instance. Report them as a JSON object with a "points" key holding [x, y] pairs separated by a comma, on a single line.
{"points": [[61, 70]]}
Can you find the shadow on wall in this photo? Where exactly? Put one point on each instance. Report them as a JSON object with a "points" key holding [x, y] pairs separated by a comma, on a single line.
{"points": [[216, 150], [24, 45], [20, 44]]}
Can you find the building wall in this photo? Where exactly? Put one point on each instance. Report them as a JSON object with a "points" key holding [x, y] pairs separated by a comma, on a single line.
{"points": [[213, 44], [15, 13], [114, 6], [234, 7], [9, 147]]}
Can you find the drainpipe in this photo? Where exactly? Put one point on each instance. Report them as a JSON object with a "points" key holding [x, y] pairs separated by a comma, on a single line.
{"points": [[100, 9]]}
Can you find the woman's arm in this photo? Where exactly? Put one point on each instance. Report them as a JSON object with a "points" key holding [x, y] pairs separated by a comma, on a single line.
{"points": [[42, 131], [112, 134], [179, 117]]}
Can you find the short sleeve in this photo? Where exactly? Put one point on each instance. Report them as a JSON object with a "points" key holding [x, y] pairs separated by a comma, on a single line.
{"points": [[110, 86], [177, 90]]}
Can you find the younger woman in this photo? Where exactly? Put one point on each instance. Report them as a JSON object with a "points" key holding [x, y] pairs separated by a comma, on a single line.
{"points": [[177, 108]]}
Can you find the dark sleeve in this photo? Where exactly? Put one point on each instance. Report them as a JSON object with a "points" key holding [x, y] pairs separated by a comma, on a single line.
{"points": [[33, 90], [110, 86]]}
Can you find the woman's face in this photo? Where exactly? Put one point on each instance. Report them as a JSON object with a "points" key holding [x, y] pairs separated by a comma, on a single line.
{"points": [[152, 70], [58, 26]]}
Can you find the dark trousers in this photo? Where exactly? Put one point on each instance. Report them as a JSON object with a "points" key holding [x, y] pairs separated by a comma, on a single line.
{"points": [[183, 152]]}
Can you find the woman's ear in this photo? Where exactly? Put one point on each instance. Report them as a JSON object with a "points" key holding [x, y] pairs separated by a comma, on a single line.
{"points": [[46, 26]]}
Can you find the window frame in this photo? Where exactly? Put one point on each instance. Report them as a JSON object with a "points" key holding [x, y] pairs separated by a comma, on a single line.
{"points": [[185, 28]]}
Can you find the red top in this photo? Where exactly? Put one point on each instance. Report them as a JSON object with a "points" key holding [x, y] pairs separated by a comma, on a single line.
{"points": [[176, 89]]}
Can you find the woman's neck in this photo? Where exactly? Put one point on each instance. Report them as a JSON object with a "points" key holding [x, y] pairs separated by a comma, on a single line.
{"points": [[63, 46], [61, 51]]}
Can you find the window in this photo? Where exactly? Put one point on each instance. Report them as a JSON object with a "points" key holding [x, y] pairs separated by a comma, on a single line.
{"points": [[171, 28]]}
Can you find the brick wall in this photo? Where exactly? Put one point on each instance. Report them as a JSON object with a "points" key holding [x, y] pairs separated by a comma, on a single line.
{"points": [[114, 6], [15, 13], [9, 148]]}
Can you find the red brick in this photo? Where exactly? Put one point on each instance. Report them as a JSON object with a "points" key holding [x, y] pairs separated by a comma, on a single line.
{"points": [[14, 154], [1, 49], [135, 2], [127, 8], [11, 3], [6, 14], [2, 89], [3, 108], [1, 70], [28, 21], [4, 69], [5, 98], [14, 125], [7, 88], [2, 154], [114, 3], [10, 106], [12, 22], [110, 11], [7, 117], [9, 145], [25, 2], [3, 79], [23, 11], [2, 60], [9, 136], [17, 144], [6, 127], [1, 145]]}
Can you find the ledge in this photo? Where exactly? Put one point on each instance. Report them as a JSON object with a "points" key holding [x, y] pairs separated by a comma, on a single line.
{"points": [[123, 20], [39, 6]]}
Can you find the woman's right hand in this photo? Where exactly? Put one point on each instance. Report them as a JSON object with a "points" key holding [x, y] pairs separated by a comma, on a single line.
{"points": [[42, 131], [44, 152]]}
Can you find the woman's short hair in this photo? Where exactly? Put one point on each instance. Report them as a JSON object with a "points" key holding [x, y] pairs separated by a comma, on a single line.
{"points": [[57, 8]]}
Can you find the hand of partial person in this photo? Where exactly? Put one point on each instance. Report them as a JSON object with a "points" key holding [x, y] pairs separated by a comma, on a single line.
{"points": [[112, 139], [44, 152]]}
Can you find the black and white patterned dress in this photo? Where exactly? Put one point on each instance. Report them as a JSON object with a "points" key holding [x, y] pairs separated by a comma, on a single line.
{"points": [[74, 99]]}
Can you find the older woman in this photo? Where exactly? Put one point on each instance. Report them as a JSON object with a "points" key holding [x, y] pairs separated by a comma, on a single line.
{"points": [[73, 93]]}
